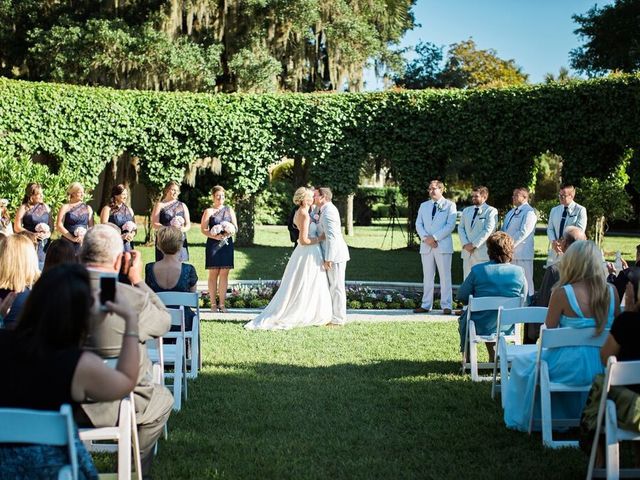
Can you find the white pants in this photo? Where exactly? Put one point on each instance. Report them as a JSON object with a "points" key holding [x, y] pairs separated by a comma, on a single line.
{"points": [[338, 293], [442, 261], [527, 265]]}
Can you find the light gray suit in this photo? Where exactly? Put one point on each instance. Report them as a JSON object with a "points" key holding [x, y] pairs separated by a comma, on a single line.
{"points": [[520, 224], [576, 217], [476, 231], [440, 225], [335, 250]]}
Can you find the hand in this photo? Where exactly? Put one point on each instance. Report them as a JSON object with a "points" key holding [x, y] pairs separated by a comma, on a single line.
{"points": [[556, 247], [322, 237], [624, 263], [78, 239], [121, 307], [469, 247], [611, 268], [328, 265], [431, 241], [133, 266]]}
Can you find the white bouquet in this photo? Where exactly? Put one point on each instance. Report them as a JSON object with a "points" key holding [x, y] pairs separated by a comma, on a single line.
{"points": [[44, 229], [80, 232], [177, 222], [228, 227], [216, 229], [129, 227]]}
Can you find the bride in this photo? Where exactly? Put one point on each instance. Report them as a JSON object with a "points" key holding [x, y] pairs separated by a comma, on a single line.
{"points": [[303, 297]]}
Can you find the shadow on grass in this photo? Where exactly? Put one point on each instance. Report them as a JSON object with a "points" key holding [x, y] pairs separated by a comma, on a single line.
{"points": [[384, 419]]}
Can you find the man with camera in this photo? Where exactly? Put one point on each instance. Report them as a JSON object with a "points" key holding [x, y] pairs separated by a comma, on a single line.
{"points": [[103, 255]]}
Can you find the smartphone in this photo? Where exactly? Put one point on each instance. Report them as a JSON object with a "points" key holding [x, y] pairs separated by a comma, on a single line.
{"points": [[107, 290]]}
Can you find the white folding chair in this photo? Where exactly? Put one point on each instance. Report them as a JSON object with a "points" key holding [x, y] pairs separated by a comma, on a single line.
{"points": [[173, 355], [126, 436], [482, 304], [505, 351], [42, 428], [551, 338], [191, 300], [618, 374]]}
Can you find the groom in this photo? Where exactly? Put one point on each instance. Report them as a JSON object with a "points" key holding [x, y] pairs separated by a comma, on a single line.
{"points": [[336, 253]]}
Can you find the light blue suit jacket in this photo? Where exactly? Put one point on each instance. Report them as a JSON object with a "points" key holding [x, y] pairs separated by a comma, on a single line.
{"points": [[440, 227], [520, 224], [576, 217], [483, 226]]}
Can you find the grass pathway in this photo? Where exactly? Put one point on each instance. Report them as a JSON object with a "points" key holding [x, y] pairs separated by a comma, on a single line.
{"points": [[374, 400]]}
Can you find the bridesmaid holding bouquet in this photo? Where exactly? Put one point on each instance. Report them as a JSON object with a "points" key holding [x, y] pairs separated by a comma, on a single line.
{"points": [[171, 212]]}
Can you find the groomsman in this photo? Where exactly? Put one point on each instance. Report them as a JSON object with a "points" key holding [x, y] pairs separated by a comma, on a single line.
{"points": [[520, 224], [478, 221], [567, 214], [435, 223]]}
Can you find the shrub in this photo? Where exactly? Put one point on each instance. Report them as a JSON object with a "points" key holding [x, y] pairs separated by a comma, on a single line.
{"points": [[255, 303], [367, 306], [394, 305], [380, 305], [354, 304], [240, 303]]}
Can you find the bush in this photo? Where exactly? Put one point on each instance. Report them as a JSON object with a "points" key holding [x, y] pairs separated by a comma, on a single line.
{"points": [[374, 202], [354, 304], [367, 306], [255, 303], [394, 306], [380, 305], [273, 204], [240, 303]]}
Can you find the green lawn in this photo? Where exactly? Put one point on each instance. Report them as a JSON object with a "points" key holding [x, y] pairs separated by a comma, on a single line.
{"points": [[267, 259], [360, 402]]}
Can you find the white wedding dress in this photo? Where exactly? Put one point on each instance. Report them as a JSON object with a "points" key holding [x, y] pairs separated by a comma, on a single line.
{"points": [[303, 299]]}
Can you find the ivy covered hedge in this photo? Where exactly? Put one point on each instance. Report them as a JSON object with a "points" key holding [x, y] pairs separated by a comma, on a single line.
{"points": [[487, 136]]}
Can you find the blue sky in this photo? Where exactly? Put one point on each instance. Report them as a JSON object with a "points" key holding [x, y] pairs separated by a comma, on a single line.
{"points": [[537, 34]]}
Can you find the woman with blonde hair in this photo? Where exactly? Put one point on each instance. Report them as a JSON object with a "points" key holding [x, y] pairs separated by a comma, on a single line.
{"points": [[303, 298], [218, 224], [74, 217], [581, 299], [18, 272], [171, 212], [34, 216]]}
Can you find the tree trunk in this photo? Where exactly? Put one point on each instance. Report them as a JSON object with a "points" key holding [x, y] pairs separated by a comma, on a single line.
{"points": [[349, 215], [245, 213]]}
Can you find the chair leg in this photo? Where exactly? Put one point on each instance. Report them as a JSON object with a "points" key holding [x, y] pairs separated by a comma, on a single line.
{"points": [[612, 450], [124, 442], [545, 407], [473, 356], [135, 442]]}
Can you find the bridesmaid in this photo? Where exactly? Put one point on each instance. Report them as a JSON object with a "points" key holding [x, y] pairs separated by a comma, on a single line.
{"points": [[35, 216], [74, 217], [219, 248], [119, 213], [5, 218], [171, 212]]}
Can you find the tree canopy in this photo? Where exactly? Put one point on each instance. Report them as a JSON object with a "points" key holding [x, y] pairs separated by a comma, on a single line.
{"points": [[200, 45], [612, 39]]}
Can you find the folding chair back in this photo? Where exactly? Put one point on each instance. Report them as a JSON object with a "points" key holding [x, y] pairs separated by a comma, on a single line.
{"points": [[42, 428], [482, 304], [617, 374], [174, 355], [190, 300], [508, 317], [551, 338]]}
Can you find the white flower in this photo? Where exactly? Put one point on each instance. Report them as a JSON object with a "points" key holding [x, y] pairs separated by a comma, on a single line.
{"points": [[42, 228], [80, 232], [388, 298], [216, 229], [129, 227], [228, 227], [177, 222]]}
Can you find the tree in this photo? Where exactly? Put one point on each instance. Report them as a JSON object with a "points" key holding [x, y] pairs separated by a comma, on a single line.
{"points": [[612, 39], [466, 67], [563, 76]]}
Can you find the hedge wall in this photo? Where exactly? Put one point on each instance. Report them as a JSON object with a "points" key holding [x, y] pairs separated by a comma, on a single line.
{"points": [[487, 136]]}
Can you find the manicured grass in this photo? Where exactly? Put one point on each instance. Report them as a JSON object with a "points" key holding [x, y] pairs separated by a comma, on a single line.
{"points": [[369, 259], [364, 401]]}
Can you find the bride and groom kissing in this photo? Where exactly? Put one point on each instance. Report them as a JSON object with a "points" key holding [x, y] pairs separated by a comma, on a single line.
{"points": [[312, 289]]}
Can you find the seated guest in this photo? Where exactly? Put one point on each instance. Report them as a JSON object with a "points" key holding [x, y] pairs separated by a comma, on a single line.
{"points": [[18, 272], [621, 278], [59, 252], [170, 274], [44, 366], [582, 300], [495, 278], [551, 277], [103, 254]]}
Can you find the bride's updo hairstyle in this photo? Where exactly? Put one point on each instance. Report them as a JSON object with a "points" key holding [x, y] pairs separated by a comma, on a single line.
{"points": [[300, 194]]}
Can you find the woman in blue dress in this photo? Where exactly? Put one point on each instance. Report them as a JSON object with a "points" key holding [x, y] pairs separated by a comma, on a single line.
{"points": [[171, 212], [582, 300], [74, 217], [35, 216], [119, 213], [219, 248]]}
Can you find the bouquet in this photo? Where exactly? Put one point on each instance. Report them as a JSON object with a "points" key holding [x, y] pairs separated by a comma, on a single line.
{"points": [[129, 227], [227, 228], [44, 229], [177, 222], [80, 232], [216, 229]]}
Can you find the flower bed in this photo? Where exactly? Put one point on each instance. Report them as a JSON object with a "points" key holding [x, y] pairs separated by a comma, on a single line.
{"points": [[358, 297]]}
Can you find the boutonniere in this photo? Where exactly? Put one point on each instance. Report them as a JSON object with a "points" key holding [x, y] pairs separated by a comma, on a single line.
{"points": [[440, 207], [316, 217]]}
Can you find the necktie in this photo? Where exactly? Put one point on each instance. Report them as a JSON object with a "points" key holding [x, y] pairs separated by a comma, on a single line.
{"points": [[562, 222], [515, 212], [475, 214], [433, 210]]}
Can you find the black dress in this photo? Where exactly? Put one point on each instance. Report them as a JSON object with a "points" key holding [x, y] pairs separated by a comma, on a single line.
{"points": [[77, 217], [32, 217], [119, 216], [168, 213], [218, 253], [188, 278]]}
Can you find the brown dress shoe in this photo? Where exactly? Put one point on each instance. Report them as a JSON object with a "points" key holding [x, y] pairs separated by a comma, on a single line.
{"points": [[446, 311], [421, 310]]}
